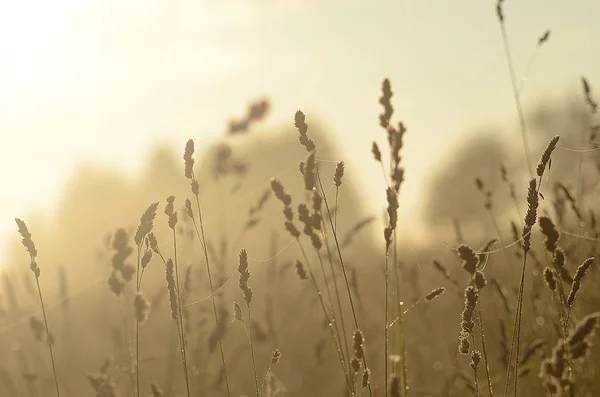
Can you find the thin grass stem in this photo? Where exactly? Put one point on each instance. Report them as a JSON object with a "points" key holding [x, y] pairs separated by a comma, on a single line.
{"points": [[48, 337], [517, 97], [336, 342], [483, 348], [212, 290], [344, 272], [180, 317], [249, 334]]}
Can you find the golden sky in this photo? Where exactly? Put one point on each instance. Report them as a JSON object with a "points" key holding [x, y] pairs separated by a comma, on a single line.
{"points": [[102, 81]]}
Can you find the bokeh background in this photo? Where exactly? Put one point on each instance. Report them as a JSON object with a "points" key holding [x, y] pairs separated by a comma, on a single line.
{"points": [[97, 100], [102, 82]]}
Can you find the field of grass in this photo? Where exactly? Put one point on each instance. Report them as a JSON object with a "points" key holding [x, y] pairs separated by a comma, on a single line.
{"points": [[224, 284]]}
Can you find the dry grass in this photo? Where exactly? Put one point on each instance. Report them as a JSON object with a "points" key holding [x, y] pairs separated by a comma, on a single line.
{"points": [[331, 311]]}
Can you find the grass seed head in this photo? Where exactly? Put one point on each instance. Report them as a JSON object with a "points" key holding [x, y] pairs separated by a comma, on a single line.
{"points": [[188, 208], [579, 340], [316, 220], [339, 173], [464, 346], [146, 223], [170, 212], [554, 369], [435, 293], [280, 193], [26, 238], [170, 206], [310, 170], [300, 123], [275, 357], [549, 278], [559, 258], [471, 297], [300, 270], [195, 188], [530, 215], [289, 226], [317, 201], [146, 258], [541, 167], [366, 378], [358, 344], [385, 101], [305, 217], [387, 235], [29, 246], [581, 270], [142, 307], [153, 243], [169, 267], [244, 276], [376, 152], [475, 359], [479, 280], [549, 231], [500, 11], [237, 312], [116, 282], [355, 365], [189, 160], [316, 241], [288, 213], [392, 207], [469, 257], [587, 92]]}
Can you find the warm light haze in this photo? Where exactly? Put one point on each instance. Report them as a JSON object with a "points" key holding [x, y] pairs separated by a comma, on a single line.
{"points": [[102, 81], [99, 97]]}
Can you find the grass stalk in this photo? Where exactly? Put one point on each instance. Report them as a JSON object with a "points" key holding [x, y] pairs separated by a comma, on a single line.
{"points": [[403, 369], [337, 192], [29, 245], [180, 325], [386, 328], [138, 276], [50, 350], [515, 89], [202, 238], [516, 334], [344, 272], [336, 342], [484, 349], [336, 290], [249, 334], [333, 315]]}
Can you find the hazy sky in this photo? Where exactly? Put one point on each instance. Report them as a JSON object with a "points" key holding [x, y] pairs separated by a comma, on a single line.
{"points": [[102, 81]]}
